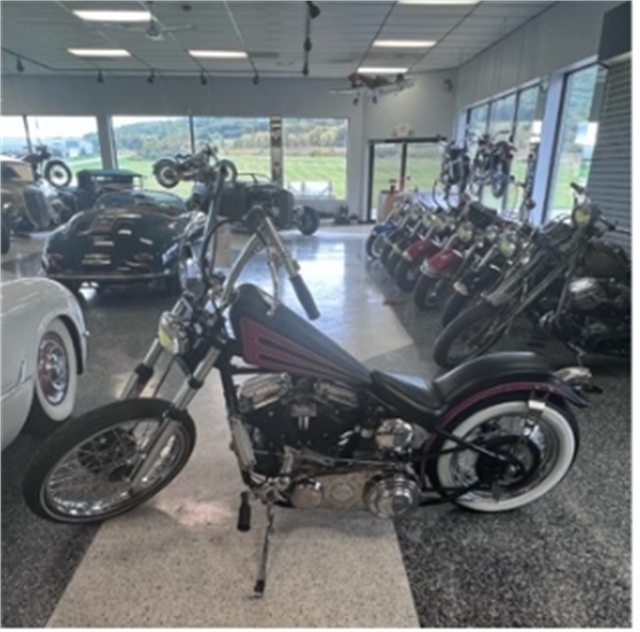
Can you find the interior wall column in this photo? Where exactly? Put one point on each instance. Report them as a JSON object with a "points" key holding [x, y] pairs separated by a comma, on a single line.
{"points": [[107, 141]]}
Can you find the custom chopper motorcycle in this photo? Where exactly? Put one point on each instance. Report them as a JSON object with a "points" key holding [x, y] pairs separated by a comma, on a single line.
{"points": [[54, 170], [568, 282], [313, 428]]}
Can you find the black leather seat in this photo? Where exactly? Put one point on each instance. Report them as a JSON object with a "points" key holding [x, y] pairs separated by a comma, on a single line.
{"points": [[410, 394], [405, 392]]}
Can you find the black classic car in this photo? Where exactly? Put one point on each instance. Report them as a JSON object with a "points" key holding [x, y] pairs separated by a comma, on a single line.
{"points": [[91, 184], [128, 237]]}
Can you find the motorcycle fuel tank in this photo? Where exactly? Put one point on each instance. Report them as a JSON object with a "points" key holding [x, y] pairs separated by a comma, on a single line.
{"points": [[421, 249], [285, 342], [443, 261]]}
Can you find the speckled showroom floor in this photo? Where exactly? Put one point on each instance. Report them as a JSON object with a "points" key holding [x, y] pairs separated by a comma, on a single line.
{"points": [[179, 562]]}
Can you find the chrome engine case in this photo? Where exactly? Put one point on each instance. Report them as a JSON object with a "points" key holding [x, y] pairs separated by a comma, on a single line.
{"points": [[384, 494]]}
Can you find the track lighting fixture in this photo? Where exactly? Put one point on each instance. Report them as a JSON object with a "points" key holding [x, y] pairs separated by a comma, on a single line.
{"points": [[314, 10], [203, 78], [152, 77], [19, 65], [100, 78], [256, 79]]}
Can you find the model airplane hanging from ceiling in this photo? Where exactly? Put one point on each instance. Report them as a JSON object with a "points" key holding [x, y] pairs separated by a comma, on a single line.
{"points": [[374, 86]]}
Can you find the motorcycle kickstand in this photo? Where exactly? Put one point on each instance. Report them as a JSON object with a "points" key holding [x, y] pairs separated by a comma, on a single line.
{"points": [[258, 590]]}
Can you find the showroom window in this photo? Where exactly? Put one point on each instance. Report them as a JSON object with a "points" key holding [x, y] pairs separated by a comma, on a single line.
{"points": [[13, 137], [72, 138], [577, 135], [315, 156], [142, 140], [477, 121], [515, 114], [243, 140]]}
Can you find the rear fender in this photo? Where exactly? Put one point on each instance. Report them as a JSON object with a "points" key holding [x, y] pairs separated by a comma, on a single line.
{"points": [[537, 388]]}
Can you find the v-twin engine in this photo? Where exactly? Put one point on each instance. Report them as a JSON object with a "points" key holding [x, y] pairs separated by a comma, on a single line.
{"points": [[299, 431]]}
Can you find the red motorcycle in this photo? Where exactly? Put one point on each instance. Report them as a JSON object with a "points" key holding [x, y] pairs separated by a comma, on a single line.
{"points": [[408, 268], [313, 427]]}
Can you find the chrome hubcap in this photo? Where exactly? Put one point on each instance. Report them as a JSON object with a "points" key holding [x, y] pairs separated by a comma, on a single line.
{"points": [[53, 368]]}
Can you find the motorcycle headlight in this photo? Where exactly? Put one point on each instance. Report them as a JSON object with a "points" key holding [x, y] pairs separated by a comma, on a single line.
{"points": [[491, 234], [439, 222], [582, 215], [507, 246], [171, 334], [465, 232]]}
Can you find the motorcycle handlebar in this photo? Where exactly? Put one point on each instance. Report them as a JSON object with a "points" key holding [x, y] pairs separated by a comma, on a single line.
{"points": [[578, 189], [300, 287], [305, 297]]}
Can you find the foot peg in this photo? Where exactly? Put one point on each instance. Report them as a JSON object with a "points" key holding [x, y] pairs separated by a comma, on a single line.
{"points": [[244, 514]]}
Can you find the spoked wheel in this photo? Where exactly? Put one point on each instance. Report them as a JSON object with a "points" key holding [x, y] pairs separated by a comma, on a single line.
{"points": [[166, 173], [469, 335], [456, 304], [85, 471], [58, 173], [374, 245], [538, 449], [499, 180], [407, 273], [431, 292]]}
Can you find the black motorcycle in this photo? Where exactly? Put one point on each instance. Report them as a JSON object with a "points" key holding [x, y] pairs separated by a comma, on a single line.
{"points": [[492, 164], [313, 427], [505, 242], [455, 168], [169, 172], [54, 170], [570, 283]]}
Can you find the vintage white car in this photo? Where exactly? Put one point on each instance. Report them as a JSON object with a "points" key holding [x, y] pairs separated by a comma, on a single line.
{"points": [[44, 347]]}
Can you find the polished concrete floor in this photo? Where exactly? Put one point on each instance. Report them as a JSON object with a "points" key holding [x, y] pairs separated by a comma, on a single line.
{"points": [[179, 562]]}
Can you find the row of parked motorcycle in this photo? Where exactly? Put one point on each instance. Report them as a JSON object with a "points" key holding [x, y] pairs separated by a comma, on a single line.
{"points": [[483, 272]]}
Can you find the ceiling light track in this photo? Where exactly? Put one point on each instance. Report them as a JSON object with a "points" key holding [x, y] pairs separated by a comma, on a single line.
{"points": [[256, 74]]}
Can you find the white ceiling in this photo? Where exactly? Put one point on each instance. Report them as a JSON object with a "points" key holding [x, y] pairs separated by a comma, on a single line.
{"points": [[273, 34]]}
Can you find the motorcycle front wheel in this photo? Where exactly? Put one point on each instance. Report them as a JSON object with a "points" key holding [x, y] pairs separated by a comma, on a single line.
{"points": [[499, 180], [83, 472], [469, 335], [407, 273], [456, 304], [309, 221], [374, 245], [541, 447], [57, 173], [430, 292], [166, 173]]}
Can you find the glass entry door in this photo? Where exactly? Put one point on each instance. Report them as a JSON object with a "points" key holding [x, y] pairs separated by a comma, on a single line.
{"points": [[401, 163], [385, 171]]}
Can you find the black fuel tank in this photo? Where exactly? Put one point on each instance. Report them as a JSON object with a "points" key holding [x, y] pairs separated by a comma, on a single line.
{"points": [[286, 342]]}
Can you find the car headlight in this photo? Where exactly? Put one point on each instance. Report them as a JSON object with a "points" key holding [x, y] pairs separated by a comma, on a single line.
{"points": [[582, 215], [465, 232], [507, 246]]}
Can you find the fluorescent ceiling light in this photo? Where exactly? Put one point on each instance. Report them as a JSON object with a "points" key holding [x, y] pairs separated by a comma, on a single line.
{"points": [[438, 1], [388, 43], [218, 54], [114, 16], [374, 70], [99, 52]]}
